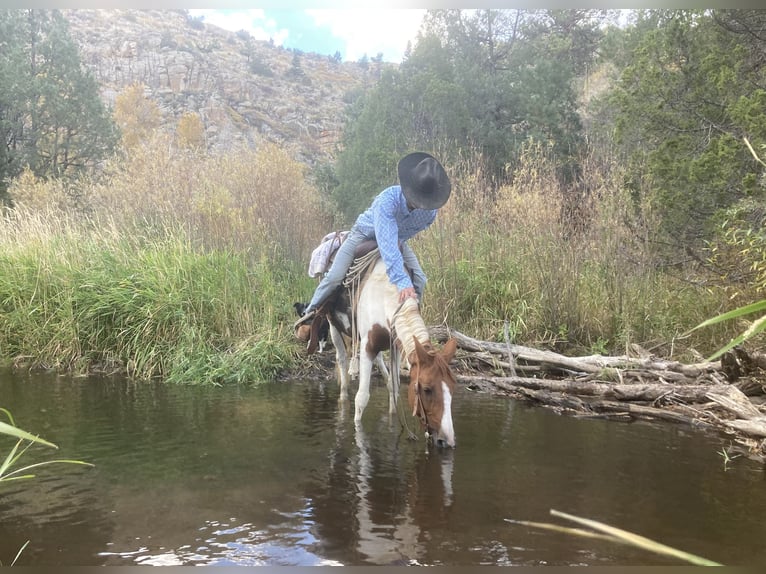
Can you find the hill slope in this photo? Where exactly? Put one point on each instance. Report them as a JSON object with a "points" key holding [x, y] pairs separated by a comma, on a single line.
{"points": [[244, 90]]}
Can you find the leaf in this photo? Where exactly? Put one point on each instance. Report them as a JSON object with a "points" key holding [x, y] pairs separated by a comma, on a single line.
{"points": [[11, 430], [19, 552], [757, 326], [637, 540], [739, 312], [617, 535], [752, 151], [12, 475]]}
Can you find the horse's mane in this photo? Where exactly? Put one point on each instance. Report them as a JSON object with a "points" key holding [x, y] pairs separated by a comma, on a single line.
{"points": [[408, 323]]}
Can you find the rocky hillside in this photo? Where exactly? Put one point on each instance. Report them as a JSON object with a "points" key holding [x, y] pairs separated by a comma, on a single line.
{"points": [[243, 89]]}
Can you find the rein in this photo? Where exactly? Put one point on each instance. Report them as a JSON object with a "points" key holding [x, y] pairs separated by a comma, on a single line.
{"points": [[394, 363]]}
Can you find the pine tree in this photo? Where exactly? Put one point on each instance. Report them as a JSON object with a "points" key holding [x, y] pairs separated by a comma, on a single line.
{"points": [[51, 116]]}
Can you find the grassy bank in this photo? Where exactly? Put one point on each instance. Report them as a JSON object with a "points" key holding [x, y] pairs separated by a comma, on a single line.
{"points": [[88, 297], [146, 272], [185, 266], [579, 282]]}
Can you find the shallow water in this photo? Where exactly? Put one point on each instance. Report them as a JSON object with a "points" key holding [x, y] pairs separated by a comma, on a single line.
{"points": [[278, 475]]}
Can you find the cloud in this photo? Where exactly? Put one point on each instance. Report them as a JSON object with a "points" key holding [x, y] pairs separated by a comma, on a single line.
{"points": [[371, 31], [253, 21], [353, 32]]}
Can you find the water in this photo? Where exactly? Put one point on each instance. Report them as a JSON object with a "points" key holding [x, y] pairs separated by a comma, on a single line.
{"points": [[278, 475]]}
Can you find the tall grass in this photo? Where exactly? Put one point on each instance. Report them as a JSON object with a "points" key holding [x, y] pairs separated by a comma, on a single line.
{"points": [[85, 298], [511, 254], [182, 265], [150, 274]]}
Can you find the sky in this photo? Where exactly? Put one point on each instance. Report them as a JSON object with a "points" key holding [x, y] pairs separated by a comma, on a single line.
{"points": [[352, 32]]}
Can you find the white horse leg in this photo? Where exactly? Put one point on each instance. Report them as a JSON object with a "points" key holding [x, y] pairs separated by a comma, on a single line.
{"points": [[381, 363], [341, 360], [365, 372], [392, 397]]}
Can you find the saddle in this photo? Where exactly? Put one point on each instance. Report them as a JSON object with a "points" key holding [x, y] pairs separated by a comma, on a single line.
{"points": [[308, 332], [340, 299]]}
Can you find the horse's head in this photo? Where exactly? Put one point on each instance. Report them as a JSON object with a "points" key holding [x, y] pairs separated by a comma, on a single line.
{"points": [[432, 386]]}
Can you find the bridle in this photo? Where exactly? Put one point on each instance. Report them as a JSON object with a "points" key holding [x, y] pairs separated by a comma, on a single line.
{"points": [[419, 406]]}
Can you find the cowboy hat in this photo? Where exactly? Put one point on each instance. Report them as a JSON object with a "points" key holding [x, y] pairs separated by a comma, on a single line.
{"points": [[424, 182]]}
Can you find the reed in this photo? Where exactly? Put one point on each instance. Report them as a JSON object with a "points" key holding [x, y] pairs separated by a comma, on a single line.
{"points": [[149, 274], [88, 300], [183, 265], [589, 281]]}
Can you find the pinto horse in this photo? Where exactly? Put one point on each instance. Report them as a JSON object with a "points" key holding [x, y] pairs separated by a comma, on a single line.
{"points": [[379, 319]]}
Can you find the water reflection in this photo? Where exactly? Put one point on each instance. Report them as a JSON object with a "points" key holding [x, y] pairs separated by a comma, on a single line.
{"points": [[281, 475], [396, 499]]}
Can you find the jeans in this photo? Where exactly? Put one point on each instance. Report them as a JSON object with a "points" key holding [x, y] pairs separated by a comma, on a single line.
{"points": [[344, 257]]}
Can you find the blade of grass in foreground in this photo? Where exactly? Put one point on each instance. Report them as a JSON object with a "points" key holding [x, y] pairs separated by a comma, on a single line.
{"points": [[11, 430], [19, 552], [15, 474], [756, 327], [613, 534]]}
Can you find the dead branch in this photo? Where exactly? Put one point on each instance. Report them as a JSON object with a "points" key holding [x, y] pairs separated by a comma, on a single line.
{"points": [[712, 394]]}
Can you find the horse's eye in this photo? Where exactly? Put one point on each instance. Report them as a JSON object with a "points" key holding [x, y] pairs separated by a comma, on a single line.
{"points": [[427, 390]]}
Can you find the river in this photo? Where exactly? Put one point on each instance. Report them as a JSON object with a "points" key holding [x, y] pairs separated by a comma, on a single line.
{"points": [[280, 475]]}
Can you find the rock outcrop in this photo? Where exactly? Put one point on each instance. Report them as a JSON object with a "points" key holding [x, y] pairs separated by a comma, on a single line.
{"points": [[244, 90]]}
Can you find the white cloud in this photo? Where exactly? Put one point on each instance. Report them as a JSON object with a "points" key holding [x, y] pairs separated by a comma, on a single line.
{"points": [[253, 21], [367, 31], [371, 31]]}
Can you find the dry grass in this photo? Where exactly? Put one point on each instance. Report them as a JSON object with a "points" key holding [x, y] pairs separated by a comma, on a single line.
{"points": [[170, 264], [515, 254], [223, 242]]}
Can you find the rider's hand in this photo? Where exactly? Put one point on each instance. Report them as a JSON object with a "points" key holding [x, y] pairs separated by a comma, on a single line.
{"points": [[406, 293]]}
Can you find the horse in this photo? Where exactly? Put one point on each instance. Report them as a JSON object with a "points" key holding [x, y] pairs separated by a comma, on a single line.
{"points": [[374, 322]]}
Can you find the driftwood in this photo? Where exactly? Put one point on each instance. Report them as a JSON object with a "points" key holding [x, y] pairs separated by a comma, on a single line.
{"points": [[726, 395]]}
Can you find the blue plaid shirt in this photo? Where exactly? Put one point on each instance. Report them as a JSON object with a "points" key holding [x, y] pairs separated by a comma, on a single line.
{"points": [[390, 222]]}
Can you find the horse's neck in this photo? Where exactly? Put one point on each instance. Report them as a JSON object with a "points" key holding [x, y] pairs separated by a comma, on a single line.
{"points": [[408, 324]]}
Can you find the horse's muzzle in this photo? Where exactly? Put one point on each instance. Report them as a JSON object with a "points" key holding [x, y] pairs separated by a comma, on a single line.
{"points": [[439, 439]]}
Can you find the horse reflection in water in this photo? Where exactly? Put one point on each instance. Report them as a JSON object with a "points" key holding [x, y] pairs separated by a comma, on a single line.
{"points": [[379, 318], [400, 539], [383, 499]]}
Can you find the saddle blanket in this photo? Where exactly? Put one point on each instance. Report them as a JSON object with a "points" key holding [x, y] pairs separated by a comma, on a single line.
{"points": [[322, 255]]}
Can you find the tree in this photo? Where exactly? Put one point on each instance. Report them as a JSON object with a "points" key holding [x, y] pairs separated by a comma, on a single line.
{"points": [[51, 116], [190, 132], [373, 140], [136, 115], [14, 87], [693, 91], [488, 80]]}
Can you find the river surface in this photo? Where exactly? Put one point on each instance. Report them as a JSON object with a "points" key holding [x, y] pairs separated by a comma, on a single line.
{"points": [[279, 475]]}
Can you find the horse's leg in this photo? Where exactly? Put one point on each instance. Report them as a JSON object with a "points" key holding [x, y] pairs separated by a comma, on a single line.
{"points": [[365, 373], [341, 360], [390, 378], [381, 362]]}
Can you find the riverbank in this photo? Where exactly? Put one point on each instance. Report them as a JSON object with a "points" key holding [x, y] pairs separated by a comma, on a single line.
{"points": [[726, 396]]}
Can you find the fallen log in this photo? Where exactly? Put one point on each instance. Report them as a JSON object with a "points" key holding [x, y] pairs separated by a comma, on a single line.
{"points": [[711, 394], [620, 392], [593, 364]]}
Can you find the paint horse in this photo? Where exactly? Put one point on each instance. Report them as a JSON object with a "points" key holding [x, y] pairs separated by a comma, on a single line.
{"points": [[379, 319]]}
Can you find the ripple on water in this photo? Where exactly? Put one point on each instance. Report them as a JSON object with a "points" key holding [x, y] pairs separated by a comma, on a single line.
{"points": [[235, 543]]}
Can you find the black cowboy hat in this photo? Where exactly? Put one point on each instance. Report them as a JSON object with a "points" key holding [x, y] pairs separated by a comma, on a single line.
{"points": [[424, 182]]}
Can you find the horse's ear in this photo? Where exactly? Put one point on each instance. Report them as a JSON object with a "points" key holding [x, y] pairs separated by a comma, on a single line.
{"points": [[420, 351], [449, 349]]}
